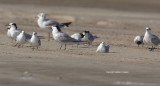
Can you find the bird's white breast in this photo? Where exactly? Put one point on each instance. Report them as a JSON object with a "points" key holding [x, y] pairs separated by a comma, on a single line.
{"points": [[21, 38]]}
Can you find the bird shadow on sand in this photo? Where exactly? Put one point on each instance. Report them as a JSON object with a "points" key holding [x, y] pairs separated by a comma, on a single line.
{"points": [[113, 52], [84, 47], [153, 49]]}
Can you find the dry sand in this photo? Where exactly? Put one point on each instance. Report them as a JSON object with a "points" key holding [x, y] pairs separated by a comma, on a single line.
{"points": [[125, 65]]}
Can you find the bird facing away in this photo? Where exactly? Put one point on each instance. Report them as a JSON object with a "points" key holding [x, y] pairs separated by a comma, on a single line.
{"points": [[138, 40], [35, 41], [43, 22], [62, 37], [102, 48], [77, 36], [88, 37], [21, 39], [150, 39]]}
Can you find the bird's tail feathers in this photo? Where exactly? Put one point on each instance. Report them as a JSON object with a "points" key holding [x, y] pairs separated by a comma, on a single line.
{"points": [[95, 37], [41, 37], [67, 24]]}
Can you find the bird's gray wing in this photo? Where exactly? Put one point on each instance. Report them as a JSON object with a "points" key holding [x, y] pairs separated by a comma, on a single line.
{"points": [[154, 39], [28, 36], [17, 32], [65, 38], [41, 37], [106, 48], [95, 37], [48, 22], [91, 37], [141, 38]]}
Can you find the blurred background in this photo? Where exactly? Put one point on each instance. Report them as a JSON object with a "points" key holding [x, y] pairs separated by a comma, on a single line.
{"points": [[123, 5]]}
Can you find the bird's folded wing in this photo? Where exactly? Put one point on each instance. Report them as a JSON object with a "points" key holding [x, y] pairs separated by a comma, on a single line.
{"points": [[155, 39], [48, 22]]}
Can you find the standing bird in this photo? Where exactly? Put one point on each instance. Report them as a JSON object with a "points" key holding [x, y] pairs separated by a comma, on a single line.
{"points": [[62, 37], [138, 40], [88, 37], [78, 37], [102, 48], [35, 40], [13, 31], [43, 22], [9, 33], [21, 39], [150, 38]]}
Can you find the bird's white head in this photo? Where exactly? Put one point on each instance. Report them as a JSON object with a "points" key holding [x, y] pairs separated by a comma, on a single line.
{"points": [[13, 25], [41, 15], [102, 43], [56, 28], [34, 33], [22, 32], [10, 24], [148, 29], [85, 32]]}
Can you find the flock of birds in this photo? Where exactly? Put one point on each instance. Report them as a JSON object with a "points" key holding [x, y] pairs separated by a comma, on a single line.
{"points": [[148, 39], [50, 26]]}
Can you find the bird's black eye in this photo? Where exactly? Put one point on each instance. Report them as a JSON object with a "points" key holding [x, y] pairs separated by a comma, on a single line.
{"points": [[58, 28], [86, 31], [81, 35], [14, 25]]}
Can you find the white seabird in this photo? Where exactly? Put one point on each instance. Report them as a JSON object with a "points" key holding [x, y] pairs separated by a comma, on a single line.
{"points": [[150, 38], [77, 36], [35, 40], [21, 39], [88, 37], [9, 33], [43, 22], [138, 40], [102, 48], [62, 37], [13, 32]]}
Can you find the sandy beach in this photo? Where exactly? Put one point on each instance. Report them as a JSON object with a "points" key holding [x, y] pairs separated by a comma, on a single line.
{"points": [[116, 24]]}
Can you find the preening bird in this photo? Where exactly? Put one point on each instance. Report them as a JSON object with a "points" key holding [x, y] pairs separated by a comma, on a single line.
{"points": [[77, 36], [138, 40]]}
